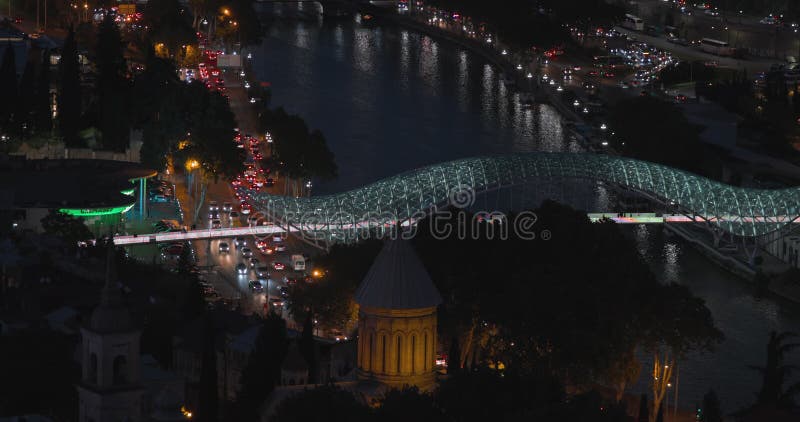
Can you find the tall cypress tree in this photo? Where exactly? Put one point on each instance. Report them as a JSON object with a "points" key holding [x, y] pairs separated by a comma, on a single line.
{"points": [[22, 115], [308, 348], [8, 88], [112, 87], [41, 106], [69, 95]]}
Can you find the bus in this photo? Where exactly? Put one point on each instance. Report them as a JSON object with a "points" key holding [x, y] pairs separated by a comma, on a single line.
{"points": [[720, 48], [633, 22]]}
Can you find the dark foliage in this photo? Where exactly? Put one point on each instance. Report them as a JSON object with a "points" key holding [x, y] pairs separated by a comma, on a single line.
{"points": [[69, 93]]}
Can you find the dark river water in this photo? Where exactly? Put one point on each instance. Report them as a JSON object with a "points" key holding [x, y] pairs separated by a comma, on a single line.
{"points": [[389, 100]]}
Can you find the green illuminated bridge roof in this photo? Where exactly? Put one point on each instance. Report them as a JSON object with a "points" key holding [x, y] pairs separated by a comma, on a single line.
{"points": [[411, 195]]}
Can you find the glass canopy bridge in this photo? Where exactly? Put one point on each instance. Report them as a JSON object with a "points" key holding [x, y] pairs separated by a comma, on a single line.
{"points": [[347, 217]]}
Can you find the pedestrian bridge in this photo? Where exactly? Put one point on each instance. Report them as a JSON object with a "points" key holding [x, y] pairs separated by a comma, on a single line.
{"points": [[411, 195], [407, 197]]}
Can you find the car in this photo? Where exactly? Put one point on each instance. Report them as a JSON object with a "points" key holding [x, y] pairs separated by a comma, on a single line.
{"points": [[624, 85], [678, 41], [213, 215], [213, 206], [252, 220], [247, 252], [226, 207], [270, 182], [592, 74], [238, 242], [588, 85], [262, 271], [216, 224], [769, 20], [277, 302], [241, 268], [266, 250], [279, 247], [256, 286], [680, 98], [254, 262], [245, 209], [224, 247], [278, 266]]}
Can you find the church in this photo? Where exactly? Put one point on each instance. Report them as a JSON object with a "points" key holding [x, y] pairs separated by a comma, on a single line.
{"points": [[397, 320]]}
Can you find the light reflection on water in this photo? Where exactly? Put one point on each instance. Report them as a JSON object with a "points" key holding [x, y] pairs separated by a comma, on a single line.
{"points": [[389, 92]]}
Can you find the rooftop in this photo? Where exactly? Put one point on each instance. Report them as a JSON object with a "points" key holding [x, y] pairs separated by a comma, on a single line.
{"points": [[68, 183], [397, 280]]}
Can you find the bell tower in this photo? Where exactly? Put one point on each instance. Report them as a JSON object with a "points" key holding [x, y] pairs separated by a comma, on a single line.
{"points": [[109, 389]]}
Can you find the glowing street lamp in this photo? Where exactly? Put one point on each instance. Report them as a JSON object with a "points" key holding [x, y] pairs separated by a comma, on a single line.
{"points": [[192, 164]]}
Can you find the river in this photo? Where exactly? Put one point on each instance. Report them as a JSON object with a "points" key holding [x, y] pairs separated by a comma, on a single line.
{"points": [[389, 100]]}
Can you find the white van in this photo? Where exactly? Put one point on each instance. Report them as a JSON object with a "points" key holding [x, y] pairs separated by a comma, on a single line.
{"points": [[298, 263]]}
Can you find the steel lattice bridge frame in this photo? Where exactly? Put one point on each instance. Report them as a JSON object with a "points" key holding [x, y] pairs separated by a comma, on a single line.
{"points": [[406, 197]]}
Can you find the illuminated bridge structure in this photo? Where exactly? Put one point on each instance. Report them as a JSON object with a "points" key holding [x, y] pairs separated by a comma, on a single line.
{"points": [[346, 217]]}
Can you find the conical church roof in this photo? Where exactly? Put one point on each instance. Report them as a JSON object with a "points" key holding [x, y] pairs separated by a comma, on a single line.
{"points": [[397, 280]]}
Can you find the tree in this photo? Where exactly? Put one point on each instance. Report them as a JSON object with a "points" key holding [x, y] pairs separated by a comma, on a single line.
{"points": [[158, 98], [211, 124], [208, 406], [22, 115], [304, 154], [323, 403], [169, 27], [309, 349], [9, 94], [776, 372], [69, 229], [263, 368], [69, 92], [42, 108], [112, 88], [711, 411]]}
